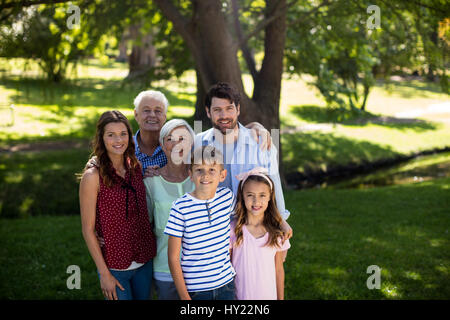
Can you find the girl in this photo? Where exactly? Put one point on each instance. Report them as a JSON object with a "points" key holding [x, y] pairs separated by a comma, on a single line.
{"points": [[113, 205], [256, 239]]}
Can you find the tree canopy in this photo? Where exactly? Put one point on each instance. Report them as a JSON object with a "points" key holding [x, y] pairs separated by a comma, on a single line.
{"points": [[221, 40]]}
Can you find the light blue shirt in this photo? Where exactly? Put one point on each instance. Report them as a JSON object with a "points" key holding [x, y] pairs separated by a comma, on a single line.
{"points": [[245, 156]]}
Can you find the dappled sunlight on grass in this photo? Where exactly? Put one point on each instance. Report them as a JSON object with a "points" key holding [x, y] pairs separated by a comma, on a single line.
{"points": [[339, 233], [412, 275], [40, 183], [437, 242], [307, 151], [391, 291]]}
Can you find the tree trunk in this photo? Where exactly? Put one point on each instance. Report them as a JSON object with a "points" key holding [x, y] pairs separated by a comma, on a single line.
{"points": [[143, 54], [266, 95], [123, 56], [200, 112], [215, 55]]}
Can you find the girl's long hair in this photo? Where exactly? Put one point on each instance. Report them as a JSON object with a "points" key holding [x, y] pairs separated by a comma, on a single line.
{"points": [[272, 218], [104, 163]]}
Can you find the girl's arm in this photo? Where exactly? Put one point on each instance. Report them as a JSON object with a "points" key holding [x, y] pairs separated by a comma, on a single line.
{"points": [[173, 253], [89, 188], [279, 270]]}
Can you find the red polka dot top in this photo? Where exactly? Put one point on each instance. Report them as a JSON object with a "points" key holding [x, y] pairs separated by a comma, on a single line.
{"points": [[122, 221]]}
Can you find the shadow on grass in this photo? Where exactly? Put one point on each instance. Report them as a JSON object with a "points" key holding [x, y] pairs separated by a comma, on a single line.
{"points": [[317, 114], [85, 130], [63, 100], [40, 183], [312, 151], [410, 88], [338, 234], [81, 92]]}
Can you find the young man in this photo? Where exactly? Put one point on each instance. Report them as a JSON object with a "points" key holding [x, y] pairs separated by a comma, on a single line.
{"points": [[199, 227], [241, 151]]}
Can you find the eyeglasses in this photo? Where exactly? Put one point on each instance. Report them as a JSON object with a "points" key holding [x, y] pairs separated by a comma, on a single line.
{"points": [[209, 212]]}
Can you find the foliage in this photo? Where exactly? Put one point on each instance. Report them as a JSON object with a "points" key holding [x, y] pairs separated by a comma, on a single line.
{"points": [[49, 33], [345, 56], [173, 57]]}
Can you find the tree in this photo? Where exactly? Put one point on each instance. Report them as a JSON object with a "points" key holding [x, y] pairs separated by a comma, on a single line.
{"points": [[334, 47], [40, 30], [345, 56], [205, 28]]}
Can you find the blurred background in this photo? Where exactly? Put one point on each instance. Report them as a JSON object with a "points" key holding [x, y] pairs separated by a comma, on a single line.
{"points": [[359, 91]]}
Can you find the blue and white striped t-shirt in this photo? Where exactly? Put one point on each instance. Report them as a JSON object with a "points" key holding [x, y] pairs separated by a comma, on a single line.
{"points": [[205, 258]]}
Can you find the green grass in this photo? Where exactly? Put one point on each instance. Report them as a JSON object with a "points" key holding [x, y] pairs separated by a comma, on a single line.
{"points": [[40, 183], [337, 235], [69, 110]]}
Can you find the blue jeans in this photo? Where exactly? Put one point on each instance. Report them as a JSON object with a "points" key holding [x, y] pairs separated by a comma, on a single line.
{"points": [[166, 290], [137, 283], [226, 292]]}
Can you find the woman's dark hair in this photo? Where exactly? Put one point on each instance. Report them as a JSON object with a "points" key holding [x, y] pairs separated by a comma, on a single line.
{"points": [[104, 164], [222, 90]]}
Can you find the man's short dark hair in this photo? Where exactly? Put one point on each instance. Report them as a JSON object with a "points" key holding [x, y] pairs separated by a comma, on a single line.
{"points": [[222, 90]]}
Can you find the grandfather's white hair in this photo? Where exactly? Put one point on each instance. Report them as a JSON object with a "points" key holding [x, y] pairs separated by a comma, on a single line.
{"points": [[172, 124], [157, 95]]}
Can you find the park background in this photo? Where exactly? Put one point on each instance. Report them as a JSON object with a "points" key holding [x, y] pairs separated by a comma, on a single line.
{"points": [[360, 93]]}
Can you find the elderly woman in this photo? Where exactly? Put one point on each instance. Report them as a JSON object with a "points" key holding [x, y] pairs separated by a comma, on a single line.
{"points": [[176, 138]]}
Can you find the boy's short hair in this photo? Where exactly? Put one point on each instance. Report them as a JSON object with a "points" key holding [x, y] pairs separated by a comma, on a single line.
{"points": [[206, 155]]}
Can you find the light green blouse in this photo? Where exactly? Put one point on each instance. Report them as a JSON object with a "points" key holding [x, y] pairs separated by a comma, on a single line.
{"points": [[160, 196]]}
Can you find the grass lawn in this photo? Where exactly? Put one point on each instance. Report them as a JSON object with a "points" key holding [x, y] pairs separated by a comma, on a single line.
{"points": [[402, 229], [338, 234], [68, 111]]}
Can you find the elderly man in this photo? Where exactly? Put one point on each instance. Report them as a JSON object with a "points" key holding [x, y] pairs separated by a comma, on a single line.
{"points": [[150, 111]]}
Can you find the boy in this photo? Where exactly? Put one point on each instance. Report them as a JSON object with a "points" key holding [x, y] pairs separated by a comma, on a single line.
{"points": [[199, 226]]}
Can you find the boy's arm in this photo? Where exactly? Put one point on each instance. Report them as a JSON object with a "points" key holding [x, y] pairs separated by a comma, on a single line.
{"points": [[279, 270], [173, 253]]}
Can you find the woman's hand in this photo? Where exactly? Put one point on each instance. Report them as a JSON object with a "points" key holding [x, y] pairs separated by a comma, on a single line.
{"points": [[108, 284], [152, 171]]}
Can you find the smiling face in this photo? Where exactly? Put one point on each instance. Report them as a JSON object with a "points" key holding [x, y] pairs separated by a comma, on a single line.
{"points": [[150, 114], [256, 197], [223, 114], [115, 138], [207, 177], [177, 144]]}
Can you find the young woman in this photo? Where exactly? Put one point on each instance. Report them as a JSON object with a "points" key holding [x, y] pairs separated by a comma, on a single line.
{"points": [[113, 205], [256, 239]]}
